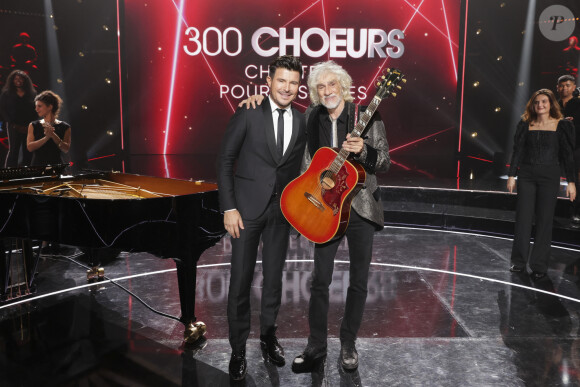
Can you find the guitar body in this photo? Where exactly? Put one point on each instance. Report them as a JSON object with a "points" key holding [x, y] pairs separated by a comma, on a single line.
{"points": [[317, 203]]}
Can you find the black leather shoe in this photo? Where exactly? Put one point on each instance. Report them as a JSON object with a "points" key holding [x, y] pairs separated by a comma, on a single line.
{"points": [[348, 356], [516, 269], [273, 349], [238, 366], [536, 275], [307, 360]]}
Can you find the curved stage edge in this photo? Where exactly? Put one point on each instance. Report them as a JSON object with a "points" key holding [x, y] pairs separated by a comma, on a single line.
{"points": [[478, 211], [442, 309]]}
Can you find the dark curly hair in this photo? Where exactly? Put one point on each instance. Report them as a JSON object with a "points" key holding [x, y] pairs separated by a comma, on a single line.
{"points": [[29, 90], [49, 97]]}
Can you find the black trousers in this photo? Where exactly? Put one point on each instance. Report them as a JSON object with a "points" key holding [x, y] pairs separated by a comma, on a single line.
{"points": [[359, 234], [274, 231], [17, 143], [575, 204], [538, 187]]}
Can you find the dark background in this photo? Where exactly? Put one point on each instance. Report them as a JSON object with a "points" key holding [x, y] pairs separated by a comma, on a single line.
{"points": [[78, 57]]}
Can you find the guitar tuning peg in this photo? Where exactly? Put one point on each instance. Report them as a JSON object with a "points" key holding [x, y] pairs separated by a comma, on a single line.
{"points": [[404, 80], [378, 83], [399, 87], [389, 70], [383, 77], [394, 94]]}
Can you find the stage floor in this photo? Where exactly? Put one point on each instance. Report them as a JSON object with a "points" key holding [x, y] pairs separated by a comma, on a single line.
{"points": [[442, 310]]}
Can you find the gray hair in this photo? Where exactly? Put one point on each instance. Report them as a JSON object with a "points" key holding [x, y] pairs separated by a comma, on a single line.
{"points": [[329, 67]]}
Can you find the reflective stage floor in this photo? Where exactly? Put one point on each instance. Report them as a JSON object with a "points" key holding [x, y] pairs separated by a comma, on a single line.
{"points": [[442, 310]]}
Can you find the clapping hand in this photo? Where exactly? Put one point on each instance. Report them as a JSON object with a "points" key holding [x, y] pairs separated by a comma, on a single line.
{"points": [[48, 130]]}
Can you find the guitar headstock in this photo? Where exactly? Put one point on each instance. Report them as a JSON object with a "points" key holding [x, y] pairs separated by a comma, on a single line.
{"points": [[388, 82]]}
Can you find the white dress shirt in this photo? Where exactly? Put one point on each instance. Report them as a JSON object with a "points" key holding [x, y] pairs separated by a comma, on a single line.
{"points": [[287, 122]]}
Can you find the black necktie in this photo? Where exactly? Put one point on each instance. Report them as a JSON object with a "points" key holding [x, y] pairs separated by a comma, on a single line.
{"points": [[280, 136]]}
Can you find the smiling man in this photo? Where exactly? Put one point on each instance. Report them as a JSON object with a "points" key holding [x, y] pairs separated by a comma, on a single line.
{"points": [[330, 119], [571, 109], [267, 144]]}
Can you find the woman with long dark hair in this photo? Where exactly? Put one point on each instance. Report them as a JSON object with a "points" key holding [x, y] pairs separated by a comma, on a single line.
{"points": [[17, 107], [542, 145]]}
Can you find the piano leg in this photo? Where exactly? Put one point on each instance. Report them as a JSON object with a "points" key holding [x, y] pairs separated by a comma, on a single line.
{"points": [[17, 276], [4, 272], [30, 262], [186, 281]]}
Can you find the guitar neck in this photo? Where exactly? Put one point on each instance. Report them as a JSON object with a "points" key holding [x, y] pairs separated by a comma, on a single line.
{"points": [[358, 131]]}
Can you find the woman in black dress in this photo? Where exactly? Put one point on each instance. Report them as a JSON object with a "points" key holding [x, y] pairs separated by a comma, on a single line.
{"points": [[17, 107], [542, 145], [48, 137]]}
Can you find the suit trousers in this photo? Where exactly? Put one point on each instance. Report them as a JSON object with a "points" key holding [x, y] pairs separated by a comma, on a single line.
{"points": [[538, 187], [274, 231], [359, 234]]}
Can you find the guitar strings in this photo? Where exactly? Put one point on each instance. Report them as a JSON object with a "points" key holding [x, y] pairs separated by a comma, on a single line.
{"points": [[340, 157]]}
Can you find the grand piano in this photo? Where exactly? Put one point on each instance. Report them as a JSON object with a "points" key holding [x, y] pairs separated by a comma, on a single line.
{"points": [[170, 218]]}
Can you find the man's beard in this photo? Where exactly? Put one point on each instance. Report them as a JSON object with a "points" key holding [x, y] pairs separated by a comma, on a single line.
{"points": [[331, 105]]}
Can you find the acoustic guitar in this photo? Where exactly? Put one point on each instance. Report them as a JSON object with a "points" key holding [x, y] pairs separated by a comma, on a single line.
{"points": [[317, 203]]}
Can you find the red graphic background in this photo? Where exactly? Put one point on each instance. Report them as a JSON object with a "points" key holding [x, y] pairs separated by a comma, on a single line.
{"points": [[175, 98]]}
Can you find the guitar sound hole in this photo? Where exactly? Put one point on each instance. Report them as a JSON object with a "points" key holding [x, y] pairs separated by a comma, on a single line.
{"points": [[327, 180]]}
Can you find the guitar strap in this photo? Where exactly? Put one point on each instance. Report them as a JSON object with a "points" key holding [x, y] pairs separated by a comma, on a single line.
{"points": [[353, 116]]}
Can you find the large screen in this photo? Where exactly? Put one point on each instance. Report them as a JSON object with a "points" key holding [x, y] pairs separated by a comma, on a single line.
{"points": [[189, 64]]}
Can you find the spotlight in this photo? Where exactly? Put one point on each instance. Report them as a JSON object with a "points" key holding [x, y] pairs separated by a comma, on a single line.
{"points": [[474, 134], [58, 80], [105, 27], [502, 5], [497, 109], [110, 132], [521, 84], [84, 107], [478, 31], [107, 81], [476, 84], [81, 54], [499, 58]]}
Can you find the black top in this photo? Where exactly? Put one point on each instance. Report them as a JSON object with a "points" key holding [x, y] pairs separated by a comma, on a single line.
{"points": [[572, 109], [17, 110], [325, 123], [542, 147], [49, 153]]}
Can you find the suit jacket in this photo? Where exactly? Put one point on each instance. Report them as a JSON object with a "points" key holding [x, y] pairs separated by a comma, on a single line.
{"points": [[249, 140], [374, 158]]}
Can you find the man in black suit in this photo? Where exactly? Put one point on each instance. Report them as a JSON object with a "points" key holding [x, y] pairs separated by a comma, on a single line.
{"points": [[267, 144]]}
